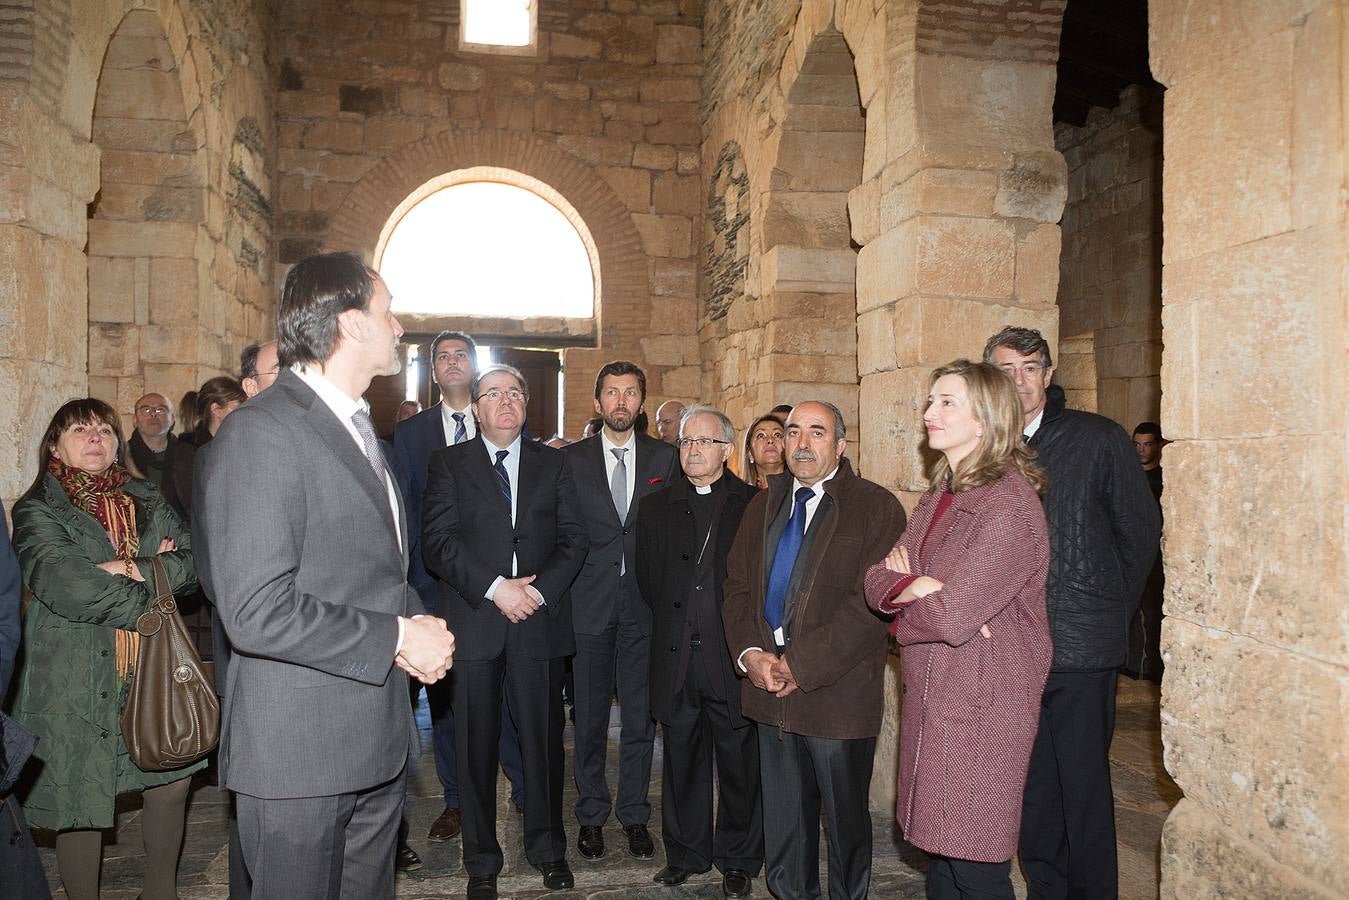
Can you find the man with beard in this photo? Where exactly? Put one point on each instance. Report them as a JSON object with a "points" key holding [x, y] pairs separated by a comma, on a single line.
{"points": [[454, 364], [813, 655], [614, 470]]}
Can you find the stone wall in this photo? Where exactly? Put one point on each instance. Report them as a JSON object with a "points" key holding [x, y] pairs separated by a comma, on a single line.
{"points": [[1256, 637], [374, 102], [1110, 270], [159, 125]]}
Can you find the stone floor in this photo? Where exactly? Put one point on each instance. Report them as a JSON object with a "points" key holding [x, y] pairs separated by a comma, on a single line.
{"points": [[1144, 795]]}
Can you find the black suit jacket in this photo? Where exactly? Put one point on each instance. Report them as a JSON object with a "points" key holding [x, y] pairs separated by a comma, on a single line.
{"points": [[414, 440], [468, 539], [612, 542], [667, 551]]}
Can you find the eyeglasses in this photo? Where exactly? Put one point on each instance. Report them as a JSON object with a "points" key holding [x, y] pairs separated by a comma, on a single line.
{"points": [[257, 376], [495, 396], [704, 442], [152, 410], [1030, 370]]}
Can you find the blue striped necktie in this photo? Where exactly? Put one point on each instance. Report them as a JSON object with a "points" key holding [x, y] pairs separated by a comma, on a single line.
{"points": [[503, 479], [460, 432], [789, 545]]}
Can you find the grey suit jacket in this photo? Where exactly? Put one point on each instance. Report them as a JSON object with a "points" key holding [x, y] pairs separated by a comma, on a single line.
{"points": [[295, 540]]}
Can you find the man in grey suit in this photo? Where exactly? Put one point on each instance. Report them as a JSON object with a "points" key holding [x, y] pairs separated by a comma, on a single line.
{"points": [[301, 540]]}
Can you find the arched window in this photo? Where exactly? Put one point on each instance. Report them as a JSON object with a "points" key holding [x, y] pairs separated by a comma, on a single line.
{"points": [[489, 242]]}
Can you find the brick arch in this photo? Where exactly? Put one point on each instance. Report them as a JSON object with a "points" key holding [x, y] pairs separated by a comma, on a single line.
{"points": [[624, 284]]}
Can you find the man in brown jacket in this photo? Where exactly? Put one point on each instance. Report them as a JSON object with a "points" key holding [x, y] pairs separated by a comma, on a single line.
{"points": [[812, 653]]}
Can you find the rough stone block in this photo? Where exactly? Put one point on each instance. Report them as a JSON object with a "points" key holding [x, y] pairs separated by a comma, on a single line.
{"points": [[966, 257], [876, 341], [674, 277], [664, 90], [139, 94], [822, 161], [341, 135], [1254, 734], [665, 235], [677, 194], [932, 331], [1243, 191], [807, 219], [173, 291], [1037, 266], [813, 270], [679, 44], [885, 267], [998, 103], [567, 46], [108, 238], [669, 350], [114, 349], [111, 289], [632, 186], [1035, 187], [892, 403], [810, 367], [650, 156], [684, 381], [864, 212], [805, 336], [598, 151]]}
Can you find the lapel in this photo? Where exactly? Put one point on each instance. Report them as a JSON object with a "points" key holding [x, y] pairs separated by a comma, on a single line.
{"points": [[594, 457], [531, 462], [339, 440], [645, 461], [484, 477], [435, 428]]}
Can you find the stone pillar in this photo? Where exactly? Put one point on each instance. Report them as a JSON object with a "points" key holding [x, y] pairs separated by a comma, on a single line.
{"points": [[47, 177], [957, 216], [1253, 375]]}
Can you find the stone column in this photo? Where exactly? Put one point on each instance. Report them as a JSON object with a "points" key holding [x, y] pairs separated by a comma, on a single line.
{"points": [[1253, 389]]}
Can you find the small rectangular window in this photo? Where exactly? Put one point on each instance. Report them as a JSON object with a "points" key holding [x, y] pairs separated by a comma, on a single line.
{"points": [[499, 26]]}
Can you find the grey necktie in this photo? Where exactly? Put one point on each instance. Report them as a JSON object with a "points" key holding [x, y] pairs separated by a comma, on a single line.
{"points": [[618, 484], [366, 429]]}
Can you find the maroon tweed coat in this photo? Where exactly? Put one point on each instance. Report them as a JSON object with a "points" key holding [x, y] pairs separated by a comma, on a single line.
{"points": [[971, 703]]}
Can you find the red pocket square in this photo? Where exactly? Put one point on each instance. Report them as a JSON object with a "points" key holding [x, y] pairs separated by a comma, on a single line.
{"points": [[656, 480]]}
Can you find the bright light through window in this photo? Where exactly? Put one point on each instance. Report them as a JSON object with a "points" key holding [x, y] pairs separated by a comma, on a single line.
{"points": [[501, 22], [482, 248]]}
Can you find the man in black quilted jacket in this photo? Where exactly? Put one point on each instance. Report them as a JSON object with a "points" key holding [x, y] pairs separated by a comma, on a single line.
{"points": [[1103, 533]]}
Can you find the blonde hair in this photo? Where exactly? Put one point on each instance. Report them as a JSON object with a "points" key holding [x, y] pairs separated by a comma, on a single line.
{"points": [[994, 404]]}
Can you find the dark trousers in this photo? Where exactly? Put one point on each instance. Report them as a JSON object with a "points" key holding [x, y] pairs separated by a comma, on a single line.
{"points": [[963, 879], [1068, 811], [241, 885], [699, 735], [798, 775], [440, 701], [322, 848], [622, 650], [534, 687]]}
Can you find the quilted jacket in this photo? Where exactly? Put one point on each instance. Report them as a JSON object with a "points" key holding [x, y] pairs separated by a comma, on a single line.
{"points": [[1104, 528]]}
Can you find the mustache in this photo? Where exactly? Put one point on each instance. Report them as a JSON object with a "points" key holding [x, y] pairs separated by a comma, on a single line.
{"points": [[804, 455]]}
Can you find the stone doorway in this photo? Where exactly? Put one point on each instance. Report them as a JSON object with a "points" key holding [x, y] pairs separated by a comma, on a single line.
{"points": [[143, 223]]}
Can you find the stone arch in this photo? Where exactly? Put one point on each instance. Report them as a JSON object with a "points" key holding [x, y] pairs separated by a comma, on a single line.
{"points": [[145, 297], [624, 304]]}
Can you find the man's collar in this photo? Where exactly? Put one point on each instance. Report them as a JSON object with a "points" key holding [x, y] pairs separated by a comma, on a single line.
{"points": [[513, 446], [336, 399], [1035, 423], [817, 487], [610, 445]]}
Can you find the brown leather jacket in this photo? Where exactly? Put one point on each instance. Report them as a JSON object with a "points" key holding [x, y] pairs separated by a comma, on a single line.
{"points": [[838, 646]]}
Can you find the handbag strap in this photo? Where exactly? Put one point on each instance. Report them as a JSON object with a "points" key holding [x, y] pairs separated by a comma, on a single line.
{"points": [[162, 589]]}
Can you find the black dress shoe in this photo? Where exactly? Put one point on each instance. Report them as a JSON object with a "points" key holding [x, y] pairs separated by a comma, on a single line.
{"points": [[591, 841], [407, 859], [557, 876], [482, 887], [639, 842], [670, 876], [737, 883]]}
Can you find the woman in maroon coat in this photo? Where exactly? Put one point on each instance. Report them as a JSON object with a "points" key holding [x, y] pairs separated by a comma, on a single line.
{"points": [[966, 587]]}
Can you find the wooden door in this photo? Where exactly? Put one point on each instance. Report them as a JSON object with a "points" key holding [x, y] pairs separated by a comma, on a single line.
{"points": [[541, 369]]}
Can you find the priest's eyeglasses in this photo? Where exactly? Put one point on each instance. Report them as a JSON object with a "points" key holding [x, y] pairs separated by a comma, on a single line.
{"points": [[703, 442]]}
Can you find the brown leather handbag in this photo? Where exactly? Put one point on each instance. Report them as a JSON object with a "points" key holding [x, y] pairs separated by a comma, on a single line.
{"points": [[172, 715]]}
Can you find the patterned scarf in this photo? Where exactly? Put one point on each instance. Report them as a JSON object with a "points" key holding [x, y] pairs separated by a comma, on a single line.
{"points": [[102, 497]]}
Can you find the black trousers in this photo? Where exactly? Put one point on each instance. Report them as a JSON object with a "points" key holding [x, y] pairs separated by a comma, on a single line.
{"points": [[963, 879], [534, 689], [798, 775], [622, 651], [1068, 812], [701, 739]]}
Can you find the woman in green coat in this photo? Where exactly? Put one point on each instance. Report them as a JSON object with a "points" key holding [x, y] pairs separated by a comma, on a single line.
{"points": [[84, 533]]}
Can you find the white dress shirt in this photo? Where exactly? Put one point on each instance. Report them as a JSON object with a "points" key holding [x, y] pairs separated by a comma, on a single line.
{"points": [[447, 417], [1034, 425], [512, 466], [629, 460]]}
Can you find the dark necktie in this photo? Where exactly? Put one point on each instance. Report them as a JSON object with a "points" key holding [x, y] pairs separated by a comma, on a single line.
{"points": [[503, 479], [789, 545], [460, 432]]}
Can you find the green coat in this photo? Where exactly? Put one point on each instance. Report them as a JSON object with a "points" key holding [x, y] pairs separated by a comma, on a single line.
{"points": [[68, 684]]}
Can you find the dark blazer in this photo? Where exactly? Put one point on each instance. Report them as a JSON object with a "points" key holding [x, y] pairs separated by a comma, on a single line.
{"points": [[611, 541], [837, 645], [667, 549], [468, 539], [414, 440], [296, 543], [11, 631]]}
